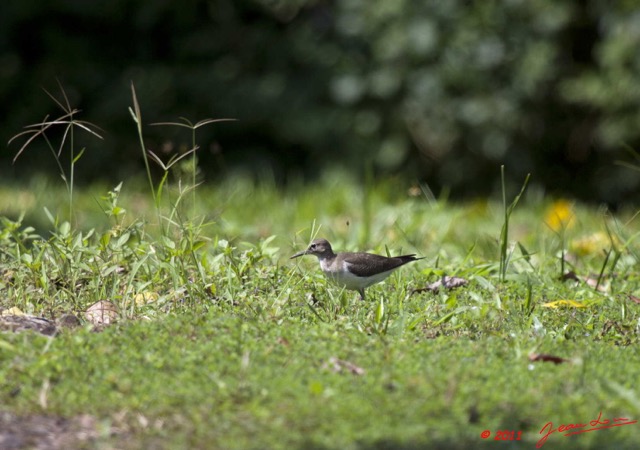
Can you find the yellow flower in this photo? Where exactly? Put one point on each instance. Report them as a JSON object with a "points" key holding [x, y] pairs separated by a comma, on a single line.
{"points": [[559, 215], [594, 243]]}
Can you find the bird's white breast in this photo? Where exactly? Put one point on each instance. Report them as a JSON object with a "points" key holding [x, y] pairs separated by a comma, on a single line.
{"points": [[340, 275]]}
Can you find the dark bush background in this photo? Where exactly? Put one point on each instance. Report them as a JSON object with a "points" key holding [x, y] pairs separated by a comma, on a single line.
{"points": [[442, 92]]}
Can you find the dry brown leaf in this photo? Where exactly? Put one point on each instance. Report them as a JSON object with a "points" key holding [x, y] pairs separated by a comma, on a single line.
{"points": [[446, 282], [591, 281], [145, 297], [102, 313], [633, 298], [13, 311], [340, 365], [543, 357], [571, 275]]}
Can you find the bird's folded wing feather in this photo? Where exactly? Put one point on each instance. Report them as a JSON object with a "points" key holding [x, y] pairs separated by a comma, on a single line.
{"points": [[363, 265]]}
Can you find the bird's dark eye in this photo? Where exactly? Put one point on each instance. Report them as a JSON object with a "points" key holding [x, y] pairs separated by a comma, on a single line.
{"points": [[313, 246]]}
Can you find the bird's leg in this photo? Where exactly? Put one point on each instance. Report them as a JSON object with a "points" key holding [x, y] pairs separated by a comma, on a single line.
{"points": [[361, 291]]}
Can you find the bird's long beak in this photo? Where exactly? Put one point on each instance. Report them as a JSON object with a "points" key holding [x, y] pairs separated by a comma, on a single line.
{"points": [[302, 253]]}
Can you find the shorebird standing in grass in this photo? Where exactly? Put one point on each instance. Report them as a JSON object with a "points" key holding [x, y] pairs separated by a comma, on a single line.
{"points": [[354, 271]]}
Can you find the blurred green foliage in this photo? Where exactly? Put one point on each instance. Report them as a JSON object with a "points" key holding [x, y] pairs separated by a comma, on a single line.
{"points": [[443, 92]]}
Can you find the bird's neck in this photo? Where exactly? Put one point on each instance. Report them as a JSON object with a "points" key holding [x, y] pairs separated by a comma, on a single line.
{"points": [[327, 261]]}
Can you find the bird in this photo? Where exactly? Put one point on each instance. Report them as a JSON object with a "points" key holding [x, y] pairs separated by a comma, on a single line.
{"points": [[354, 270]]}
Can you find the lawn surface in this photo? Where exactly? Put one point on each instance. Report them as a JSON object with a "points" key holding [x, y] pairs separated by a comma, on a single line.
{"points": [[220, 341]]}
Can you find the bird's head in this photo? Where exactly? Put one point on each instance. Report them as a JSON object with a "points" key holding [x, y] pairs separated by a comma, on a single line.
{"points": [[318, 247]]}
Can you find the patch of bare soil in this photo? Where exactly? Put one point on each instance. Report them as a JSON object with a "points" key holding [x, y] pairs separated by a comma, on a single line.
{"points": [[44, 432]]}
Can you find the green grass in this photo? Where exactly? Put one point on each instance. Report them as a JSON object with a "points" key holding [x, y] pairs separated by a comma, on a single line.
{"points": [[238, 349], [223, 342]]}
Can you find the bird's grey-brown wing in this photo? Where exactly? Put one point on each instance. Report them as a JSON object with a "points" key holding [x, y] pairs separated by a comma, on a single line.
{"points": [[364, 264]]}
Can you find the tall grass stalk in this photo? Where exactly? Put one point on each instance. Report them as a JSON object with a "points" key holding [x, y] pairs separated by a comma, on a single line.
{"points": [[69, 122], [186, 123], [504, 233], [137, 118]]}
